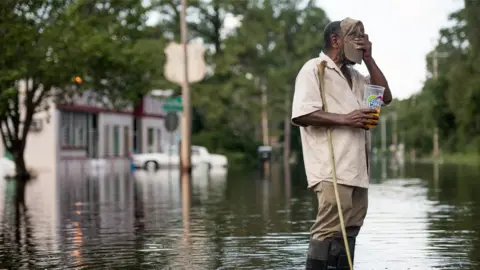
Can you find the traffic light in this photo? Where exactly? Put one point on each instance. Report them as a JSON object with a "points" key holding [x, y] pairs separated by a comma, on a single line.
{"points": [[77, 80]]}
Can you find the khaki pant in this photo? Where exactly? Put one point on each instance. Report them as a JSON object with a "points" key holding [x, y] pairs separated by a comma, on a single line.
{"points": [[354, 201]]}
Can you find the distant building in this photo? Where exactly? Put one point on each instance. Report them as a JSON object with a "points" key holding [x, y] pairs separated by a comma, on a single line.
{"points": [[85, 127]]}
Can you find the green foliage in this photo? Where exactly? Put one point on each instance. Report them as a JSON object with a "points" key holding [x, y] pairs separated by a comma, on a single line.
{"points": [[266, 51], [48, 43], [108, 45], [451, 101]]}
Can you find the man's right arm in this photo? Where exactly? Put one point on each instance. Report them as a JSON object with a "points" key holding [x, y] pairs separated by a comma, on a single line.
{"points": [[307, 106], [320, 119]]}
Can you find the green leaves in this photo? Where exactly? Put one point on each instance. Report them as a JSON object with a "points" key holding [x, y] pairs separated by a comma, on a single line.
{"points": [[450, 101], [272, 41], [104, 43]]}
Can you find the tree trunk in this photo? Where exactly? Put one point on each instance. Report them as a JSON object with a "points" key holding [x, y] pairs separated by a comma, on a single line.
{"points": [[21, 176], [287, 133]]}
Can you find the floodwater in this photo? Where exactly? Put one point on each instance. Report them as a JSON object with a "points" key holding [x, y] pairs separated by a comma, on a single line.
{"points": [[420, 217]]}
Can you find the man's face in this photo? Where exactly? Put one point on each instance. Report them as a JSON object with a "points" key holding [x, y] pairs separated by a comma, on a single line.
{"points": [[339, 44]]}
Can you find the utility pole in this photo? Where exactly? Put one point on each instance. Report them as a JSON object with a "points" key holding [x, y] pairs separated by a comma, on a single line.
{"points": [[383, 127], [185, 64], [265, 133], [394, 132], [435, 57], [186, 121], [435, 130]]}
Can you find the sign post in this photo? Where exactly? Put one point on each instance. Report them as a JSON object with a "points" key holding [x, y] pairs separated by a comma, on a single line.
{"points": [[171, 124], [191, 68]]}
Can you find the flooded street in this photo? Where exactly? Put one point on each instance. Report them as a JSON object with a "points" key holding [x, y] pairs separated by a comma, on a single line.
{"points": [[421, 216]]}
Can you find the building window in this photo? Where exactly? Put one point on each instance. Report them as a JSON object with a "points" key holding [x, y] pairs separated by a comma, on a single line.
{"points": [[116, 140], [150, 140], [106, 140], [159, 141], [126, 141], [73, 127]]}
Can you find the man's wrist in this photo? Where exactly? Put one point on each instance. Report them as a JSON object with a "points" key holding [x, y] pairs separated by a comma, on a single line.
{"points": [[369, 61], [342, 120]]}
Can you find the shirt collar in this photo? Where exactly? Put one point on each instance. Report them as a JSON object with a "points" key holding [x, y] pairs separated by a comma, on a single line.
{"points": [[331, 64], [329, 60]]}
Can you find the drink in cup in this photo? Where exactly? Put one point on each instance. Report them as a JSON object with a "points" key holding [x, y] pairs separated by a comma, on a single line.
{"points": [[373, 98]]}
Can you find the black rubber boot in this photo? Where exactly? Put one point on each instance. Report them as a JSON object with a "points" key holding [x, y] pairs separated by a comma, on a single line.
{"points": [[317, 254], [313, 264], [337, 255], [329, 254]]}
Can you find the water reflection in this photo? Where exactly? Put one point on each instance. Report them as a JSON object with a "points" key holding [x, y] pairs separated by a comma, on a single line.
{"points": [[421, 216]]}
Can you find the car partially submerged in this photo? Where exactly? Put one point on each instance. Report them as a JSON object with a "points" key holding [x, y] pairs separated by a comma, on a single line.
{"points": [[171, 159]]}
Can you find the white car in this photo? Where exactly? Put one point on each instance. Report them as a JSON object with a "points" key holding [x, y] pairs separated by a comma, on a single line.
{"points": [[218, 161], [7, 167], [155, 161]]}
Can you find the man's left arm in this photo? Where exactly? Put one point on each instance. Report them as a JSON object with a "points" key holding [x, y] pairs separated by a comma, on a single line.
{"points": [[377, 78], [376, 75]]}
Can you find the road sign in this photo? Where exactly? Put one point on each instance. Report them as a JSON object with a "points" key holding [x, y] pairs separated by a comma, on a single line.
{"points": [[174, 69], [173, 104], [171, 121]]}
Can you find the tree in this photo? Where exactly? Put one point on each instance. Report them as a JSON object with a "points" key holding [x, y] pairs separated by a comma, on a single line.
{"points": [[451, 100], [265, 51], [279, 37], [47, 44]]}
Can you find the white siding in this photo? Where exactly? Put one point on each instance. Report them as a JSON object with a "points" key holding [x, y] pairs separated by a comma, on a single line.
{"points": [[42, 148], [111, 120], [91, 99], [152, 105], [166, 138], [151, 122]]}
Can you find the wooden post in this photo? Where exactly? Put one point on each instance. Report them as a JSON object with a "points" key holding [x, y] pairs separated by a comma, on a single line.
{"points": [[186, 121], [186, 191]]}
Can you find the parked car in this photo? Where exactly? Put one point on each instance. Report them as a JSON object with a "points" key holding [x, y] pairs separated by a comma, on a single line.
{"points": [[7, 167], [200, 156], [156, 161], [218, 161]]}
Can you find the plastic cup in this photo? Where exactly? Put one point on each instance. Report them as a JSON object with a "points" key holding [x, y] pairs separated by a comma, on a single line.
{"points": [[373, 98]]}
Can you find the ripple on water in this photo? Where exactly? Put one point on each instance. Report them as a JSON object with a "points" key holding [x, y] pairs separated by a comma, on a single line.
{"points": [[122, 222]]}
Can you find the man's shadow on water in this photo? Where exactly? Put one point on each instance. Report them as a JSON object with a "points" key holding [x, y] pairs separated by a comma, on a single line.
{"points": [[18, 246]]}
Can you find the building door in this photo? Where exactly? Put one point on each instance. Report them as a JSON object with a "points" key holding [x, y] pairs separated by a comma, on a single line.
{"points": [[106, 141], [126, 141], [116, 140], [137, 135], [92, 138], [150, 140]]}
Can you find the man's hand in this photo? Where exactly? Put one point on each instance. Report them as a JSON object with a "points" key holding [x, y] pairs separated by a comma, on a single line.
{"points": [[360, 118], [365, 45]]}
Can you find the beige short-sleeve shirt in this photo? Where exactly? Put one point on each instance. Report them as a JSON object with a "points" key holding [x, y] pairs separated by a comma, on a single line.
{"points": [[351, 145]]}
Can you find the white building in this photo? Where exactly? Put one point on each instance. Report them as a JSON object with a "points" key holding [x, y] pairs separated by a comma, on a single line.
{"points": [[85, 128]]}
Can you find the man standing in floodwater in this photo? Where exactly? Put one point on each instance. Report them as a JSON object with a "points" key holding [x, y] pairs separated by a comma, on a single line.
{"points": [[346, 44]]}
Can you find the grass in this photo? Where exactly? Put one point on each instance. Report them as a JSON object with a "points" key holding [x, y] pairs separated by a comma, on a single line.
{"points": [[454, 158], [462, 158]]}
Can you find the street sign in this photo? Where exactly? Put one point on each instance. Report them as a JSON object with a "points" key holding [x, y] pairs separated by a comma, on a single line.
{"points": [[173, 104], [171, 121], [174, 69]]}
